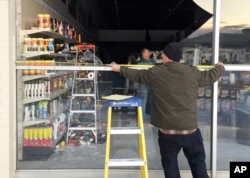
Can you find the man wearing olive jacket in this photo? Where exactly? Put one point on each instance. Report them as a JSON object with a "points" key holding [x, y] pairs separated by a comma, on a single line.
{"points": [[174, 92]]}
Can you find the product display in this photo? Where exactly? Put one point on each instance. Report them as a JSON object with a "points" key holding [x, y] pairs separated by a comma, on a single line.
{"points": [[48, 101], [45, 98]]}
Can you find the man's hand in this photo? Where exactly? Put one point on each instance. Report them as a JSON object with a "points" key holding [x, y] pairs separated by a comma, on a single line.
{"points": [[220, 63], [115, 67]]}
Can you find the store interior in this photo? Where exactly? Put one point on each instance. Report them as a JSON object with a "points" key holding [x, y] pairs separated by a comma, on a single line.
{"points": [[61, 122]]}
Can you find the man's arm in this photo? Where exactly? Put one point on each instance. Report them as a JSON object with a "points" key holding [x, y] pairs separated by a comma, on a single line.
{"points": [[212, 75], [139, 76]]}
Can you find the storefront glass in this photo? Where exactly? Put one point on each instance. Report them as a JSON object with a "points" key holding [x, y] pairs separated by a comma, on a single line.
{"points": [[44, 90], [41, 147], [233, 108]]}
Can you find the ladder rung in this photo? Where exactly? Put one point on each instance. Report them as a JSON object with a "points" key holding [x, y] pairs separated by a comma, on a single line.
{"points": [[84, 78], [82, 128], [125, 130], [82, 111], [126, 162], [82, 95]]}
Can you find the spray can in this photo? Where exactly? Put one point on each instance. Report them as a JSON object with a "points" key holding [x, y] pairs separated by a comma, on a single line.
{"points": [[45, 109]]}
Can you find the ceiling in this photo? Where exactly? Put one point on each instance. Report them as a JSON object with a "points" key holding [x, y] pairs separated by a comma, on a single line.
{"points": [[127, 26], [152, 15]]}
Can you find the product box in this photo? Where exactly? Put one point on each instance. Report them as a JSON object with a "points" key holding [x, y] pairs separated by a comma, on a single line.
{"points": [[233, 94], [208, 92], [59, 125], [201, 91], [201, 103], [224, 93]]}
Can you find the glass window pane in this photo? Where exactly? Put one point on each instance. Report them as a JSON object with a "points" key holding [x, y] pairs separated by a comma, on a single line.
{"points": [[233, 127], [44, 101], [233, 116]]}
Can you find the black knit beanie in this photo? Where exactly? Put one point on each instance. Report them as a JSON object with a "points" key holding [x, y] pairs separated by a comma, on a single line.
{"points": [[173, 51]]}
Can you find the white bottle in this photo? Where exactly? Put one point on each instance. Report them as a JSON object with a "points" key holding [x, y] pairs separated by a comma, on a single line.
{"points": [[43, 89], [28, 90], [25, 90], [33, 112], [32, 90], [232, 78], [26, 113], [36, 90], [48, 88], [39, 90]]}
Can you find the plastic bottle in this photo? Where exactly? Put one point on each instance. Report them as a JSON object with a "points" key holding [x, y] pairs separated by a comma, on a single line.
{"points": [[40, 106], [33, 109], [45, 109], [51, 45]]}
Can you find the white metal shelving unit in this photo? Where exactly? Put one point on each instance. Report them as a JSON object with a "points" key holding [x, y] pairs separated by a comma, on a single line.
{"points": [[25, 101]]}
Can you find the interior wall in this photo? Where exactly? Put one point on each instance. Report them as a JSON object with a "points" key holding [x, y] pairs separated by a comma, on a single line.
{"points": [[59, 10], [7, 89], [29, 10]]}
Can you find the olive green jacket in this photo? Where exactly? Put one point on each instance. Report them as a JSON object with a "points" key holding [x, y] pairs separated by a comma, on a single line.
{"points": [[174, 92]]}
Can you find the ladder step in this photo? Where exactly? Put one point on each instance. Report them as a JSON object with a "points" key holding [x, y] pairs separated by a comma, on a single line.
{"points": [[82, 111], [125, 130], [82, 128], [84, 78], [126, 162], [82, 95]]}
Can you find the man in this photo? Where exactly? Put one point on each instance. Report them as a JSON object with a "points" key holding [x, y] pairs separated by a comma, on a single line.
{"points": [[174, 92], [145, 57], [143, 91]]}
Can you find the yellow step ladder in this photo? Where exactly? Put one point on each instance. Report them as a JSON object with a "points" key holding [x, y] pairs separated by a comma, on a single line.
{"points": [[139, 130]]}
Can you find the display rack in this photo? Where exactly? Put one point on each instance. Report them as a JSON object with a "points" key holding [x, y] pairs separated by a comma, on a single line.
{"points": [[42, 112]]}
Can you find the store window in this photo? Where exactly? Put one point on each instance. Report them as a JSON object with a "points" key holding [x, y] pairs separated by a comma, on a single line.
{"points": [[50, 135], [233, 112]]}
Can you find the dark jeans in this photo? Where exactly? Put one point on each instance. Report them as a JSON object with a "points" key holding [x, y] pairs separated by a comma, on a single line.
{"points": [[193, 148]]}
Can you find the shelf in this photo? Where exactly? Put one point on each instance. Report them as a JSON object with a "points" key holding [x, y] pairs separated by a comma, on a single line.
{"points": [[228, 97], [54, 95], [51, 117], [59, 137], [58, 93], [46, 32], [35, 122], [34, 54], [48, 75], [205, 97]]}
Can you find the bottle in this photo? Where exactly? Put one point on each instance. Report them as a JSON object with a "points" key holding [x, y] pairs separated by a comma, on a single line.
{"points": [[28, 90], [25, 90], [51, 45], [32, 90], [40, 107], [26, 113], [45, 109], [33, 109], [40, 21], [60, 28], [46, 20], [36, 90], [232, 78], [43, 89]]}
